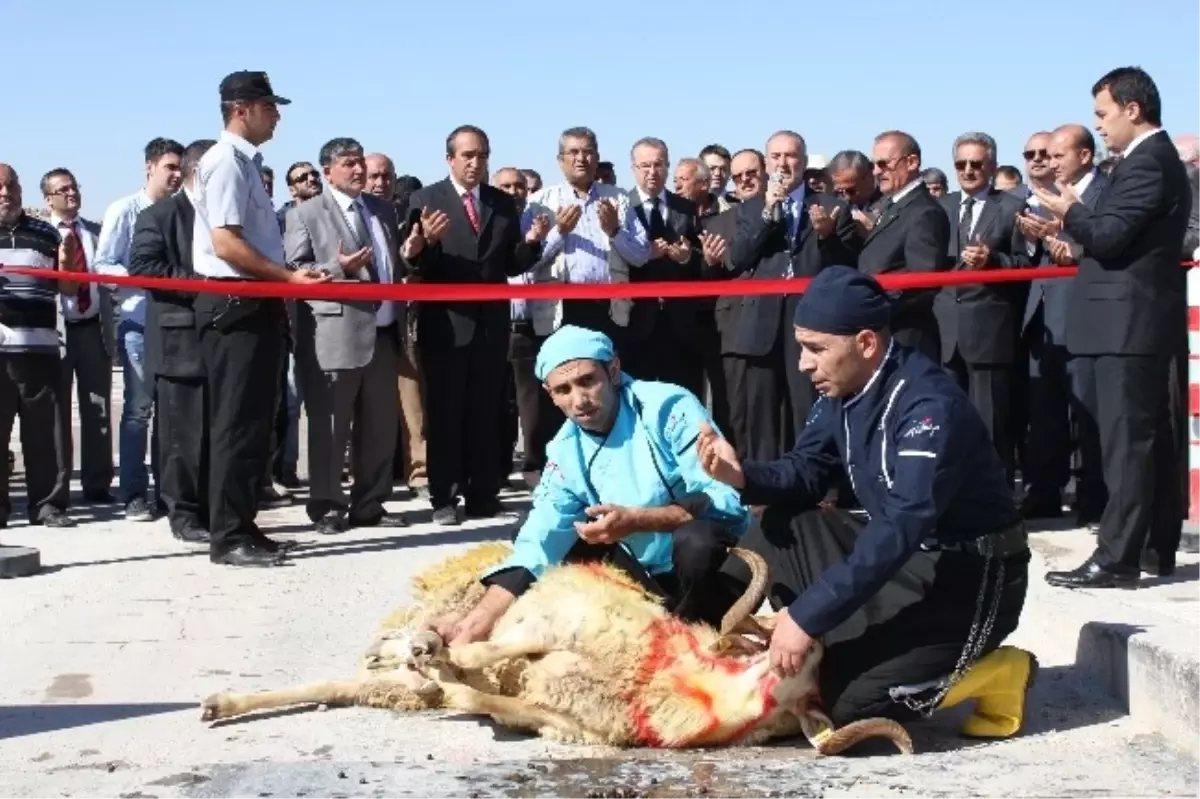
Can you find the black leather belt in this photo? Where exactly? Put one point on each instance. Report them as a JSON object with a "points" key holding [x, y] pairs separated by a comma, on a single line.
{"points": [[91, 320], [1012, 540]]}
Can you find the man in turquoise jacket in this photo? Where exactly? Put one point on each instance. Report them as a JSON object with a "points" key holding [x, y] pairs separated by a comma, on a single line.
{"points": [[622, 483]]}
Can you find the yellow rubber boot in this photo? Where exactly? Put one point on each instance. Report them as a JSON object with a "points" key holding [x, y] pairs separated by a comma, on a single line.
{"points": [[999, 682]]}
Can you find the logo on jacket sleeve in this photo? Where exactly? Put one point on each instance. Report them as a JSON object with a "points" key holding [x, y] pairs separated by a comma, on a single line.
{"points": [[921, 427]]}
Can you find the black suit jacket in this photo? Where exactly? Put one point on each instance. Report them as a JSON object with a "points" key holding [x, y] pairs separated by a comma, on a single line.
{"points": [[1053, 295], [912, 235], [1129, 295], [162, 247], [497, 252], [981, 320], [726, 308], [682, 221], [760, 250]]}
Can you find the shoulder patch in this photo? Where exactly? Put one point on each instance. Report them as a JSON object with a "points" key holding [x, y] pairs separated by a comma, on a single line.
{"points": [[921, 428]]}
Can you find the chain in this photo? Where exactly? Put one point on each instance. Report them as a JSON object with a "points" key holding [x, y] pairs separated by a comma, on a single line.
{"points": [[977, 639]]}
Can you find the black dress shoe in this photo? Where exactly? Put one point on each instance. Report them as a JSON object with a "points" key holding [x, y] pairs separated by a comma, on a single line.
{"points": [[99, 497], [272, 545], [248, 555], [331, 525], [191, 533], [446, 516], [56, 518], [484, 508], [384, 520], [1092, 575], [1156, 564]]}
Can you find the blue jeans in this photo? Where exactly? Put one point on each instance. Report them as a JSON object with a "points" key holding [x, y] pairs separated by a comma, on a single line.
{"points": [[135, 415]]}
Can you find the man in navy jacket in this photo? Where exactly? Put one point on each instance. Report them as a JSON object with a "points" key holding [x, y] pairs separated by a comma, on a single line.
{"points": [[895, 597]]}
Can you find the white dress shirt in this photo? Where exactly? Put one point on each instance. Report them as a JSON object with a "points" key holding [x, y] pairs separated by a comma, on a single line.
{"points": [[380, 257], [69, 301]]}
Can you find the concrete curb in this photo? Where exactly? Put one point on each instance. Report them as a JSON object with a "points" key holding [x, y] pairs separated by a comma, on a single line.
{"points": [[1154, 674]]}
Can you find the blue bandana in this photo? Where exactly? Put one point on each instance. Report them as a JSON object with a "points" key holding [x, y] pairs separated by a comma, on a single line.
{"points": [[843, 301], [571, 343]]}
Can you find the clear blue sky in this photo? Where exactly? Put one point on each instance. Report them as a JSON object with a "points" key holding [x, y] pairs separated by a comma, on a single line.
{"points": [[93, 82]]}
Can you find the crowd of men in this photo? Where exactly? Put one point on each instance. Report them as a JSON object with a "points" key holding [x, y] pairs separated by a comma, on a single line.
{"points": [[1081, 376]]}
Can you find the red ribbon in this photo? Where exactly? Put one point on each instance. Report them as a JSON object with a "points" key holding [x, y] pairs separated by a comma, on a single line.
{"points": [[474, 292]]}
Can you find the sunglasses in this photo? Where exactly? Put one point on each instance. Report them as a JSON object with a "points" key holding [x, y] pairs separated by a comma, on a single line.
{"points": [[749, 174], [1032, 154], [304, 176], [964, 165]]}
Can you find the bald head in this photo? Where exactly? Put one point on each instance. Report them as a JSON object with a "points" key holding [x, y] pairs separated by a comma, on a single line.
{"points": [[1188, 146], [1076, 136], [381, 176], [10, 194]]}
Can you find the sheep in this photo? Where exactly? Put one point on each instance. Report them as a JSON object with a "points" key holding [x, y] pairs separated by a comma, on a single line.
{"points": [[586, 655]]}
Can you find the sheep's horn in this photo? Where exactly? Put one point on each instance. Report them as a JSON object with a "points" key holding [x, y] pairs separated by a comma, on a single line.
{"points": [[753, 596], [840, 740]]}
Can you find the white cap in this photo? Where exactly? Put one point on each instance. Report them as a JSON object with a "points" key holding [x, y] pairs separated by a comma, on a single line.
{"points": [[817, 161]]}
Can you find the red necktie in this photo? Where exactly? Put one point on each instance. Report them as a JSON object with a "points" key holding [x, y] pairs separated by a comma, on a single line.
{"points": [[469, 205], [83, 296]]}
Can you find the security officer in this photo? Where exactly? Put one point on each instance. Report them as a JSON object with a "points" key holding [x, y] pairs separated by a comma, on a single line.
{"points": [[622, 483], [935, 575]]}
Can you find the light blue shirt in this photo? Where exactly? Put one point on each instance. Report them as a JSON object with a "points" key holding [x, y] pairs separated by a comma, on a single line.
{"points": [[112, 252], [586, 248], [648, 460], [381, 260], [229, 192]]}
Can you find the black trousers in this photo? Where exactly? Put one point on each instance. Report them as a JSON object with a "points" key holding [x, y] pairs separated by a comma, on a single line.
{"points": [[242, 364], [31, 385], [990, 388], [661, 355], [771, 401], [182, 414], [713, 370], [1140, 452], [1061, 391], [465, 389], [528, 405], [694, 589], [911, 631]]}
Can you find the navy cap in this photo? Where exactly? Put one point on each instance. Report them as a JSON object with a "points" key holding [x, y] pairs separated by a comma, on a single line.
{"points": [[843, 301], [248, 87]]}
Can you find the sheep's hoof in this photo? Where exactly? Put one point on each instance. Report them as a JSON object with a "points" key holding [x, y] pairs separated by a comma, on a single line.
{"points": [[210, 708], [426, 646]]}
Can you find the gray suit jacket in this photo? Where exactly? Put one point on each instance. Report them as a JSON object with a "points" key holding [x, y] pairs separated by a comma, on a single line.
{"points": [[337, 334]]}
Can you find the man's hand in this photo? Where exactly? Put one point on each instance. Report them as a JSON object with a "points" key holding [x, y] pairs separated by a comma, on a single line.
{"points": [[789, 645], [659, 248], [976, 255], [1060, 252], [606, 211], [1036, 228], [714, 248], [567, 217], [612, 523], [1057, 204], [539, 229], [774, 195], [864, 223], [680, 251], [352, 262], [307, 276], [823, 223], [718, 458]]}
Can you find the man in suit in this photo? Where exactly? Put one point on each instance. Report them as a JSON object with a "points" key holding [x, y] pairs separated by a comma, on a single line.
{"points": [[912, 234], [748, 170], [791, 231], [978, 323], [662, 340], [162, 248], [1059, 386], [1124, 316], [469, 232], [88, 332], [854, 181], [346, 352]]}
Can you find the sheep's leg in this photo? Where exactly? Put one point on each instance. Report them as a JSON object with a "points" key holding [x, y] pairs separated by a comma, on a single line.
{"points": [[228, 705], [517, 714], [485, 653]]}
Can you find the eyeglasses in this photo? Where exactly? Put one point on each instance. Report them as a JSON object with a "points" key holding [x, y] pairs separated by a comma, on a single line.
{"points": [[962, 166], [304, 176], [749, 174], [1030, 155], [63, 191]]}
